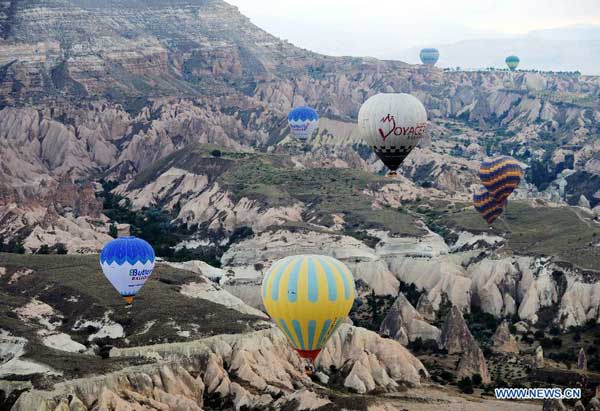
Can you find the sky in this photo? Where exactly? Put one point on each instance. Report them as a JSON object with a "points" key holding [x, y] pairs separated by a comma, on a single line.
{"points": [[385, 28]]}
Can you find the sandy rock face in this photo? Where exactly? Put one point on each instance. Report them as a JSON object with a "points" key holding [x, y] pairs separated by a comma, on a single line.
{"points": [[538, 360], [503, 341], [455, 335], [268, 247], [264, 366], [437, 276], [457, 339], [553, 405], [472, 361], [582, 360], [425, 308], [374, 362], [405, 324]]}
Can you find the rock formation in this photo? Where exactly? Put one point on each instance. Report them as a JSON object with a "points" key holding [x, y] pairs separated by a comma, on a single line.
{"points": [[503, 341], [457, 339], [472, 361], [263, 365], [553, 405], [582, 360], [538, 359], [405, 324], [425, 308]]}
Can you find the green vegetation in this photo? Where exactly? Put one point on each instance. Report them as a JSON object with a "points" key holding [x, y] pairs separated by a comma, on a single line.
{"points": [[544, 231], [274, 182], [482, 325], [155, 226], [466, 385], [76, 288], [12, 246]]}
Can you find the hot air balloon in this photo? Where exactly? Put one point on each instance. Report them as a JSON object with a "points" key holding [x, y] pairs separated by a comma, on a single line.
{"points": [[487, 205], [512, 62], [429, 56], [392, 124], [308, 297], [501, 176], [127, 263], [303, 122]]}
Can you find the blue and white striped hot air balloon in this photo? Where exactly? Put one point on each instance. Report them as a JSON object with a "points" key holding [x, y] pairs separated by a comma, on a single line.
{"points": [[303, 122], [127, 263]]}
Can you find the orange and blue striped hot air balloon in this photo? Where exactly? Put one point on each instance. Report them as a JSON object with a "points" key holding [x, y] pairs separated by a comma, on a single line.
{"points": [[487, 205], [308, 297], [501, 176]]}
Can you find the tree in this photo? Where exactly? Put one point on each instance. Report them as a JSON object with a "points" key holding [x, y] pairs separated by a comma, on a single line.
{"points": [[44, 249], [372, 301], [61, 249], [15, 247], [466, 385], [477, 380], [113, 231], [216, 153]]}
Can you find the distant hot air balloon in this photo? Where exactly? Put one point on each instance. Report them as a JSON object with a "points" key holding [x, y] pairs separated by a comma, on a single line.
{"points": [[303, 122], [392, 124], [500, 176], [512, 62], [429, 56], [308, 297], [487, 205], [127, 263]]}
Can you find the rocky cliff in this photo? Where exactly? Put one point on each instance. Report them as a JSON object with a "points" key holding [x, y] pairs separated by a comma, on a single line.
{"points": [[250, 371]]}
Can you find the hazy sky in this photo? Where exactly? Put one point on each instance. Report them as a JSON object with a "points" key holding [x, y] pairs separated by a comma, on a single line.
{"points": [[382, 28]]}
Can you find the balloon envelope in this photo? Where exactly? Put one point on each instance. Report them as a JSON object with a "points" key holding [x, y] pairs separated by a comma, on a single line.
{"points": [[487, 205], [308, 297], [127, 263], [512, 62], [303, 122], [429, 56], [392, 124], [501, 176]]}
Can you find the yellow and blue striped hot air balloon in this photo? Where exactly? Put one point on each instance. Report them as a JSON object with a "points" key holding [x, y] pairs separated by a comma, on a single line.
{"points": [[501, 176], [308, 297]]}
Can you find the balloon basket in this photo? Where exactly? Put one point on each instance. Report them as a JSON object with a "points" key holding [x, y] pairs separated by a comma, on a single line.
{"points": [[392, 174], [310, 356]]}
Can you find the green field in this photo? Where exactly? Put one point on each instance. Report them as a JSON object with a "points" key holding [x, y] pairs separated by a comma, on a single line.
{"points": [[546, 231], [56, 279]]}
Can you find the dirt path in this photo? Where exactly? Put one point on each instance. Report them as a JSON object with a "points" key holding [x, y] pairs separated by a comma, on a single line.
{"points": [[440, 399]]}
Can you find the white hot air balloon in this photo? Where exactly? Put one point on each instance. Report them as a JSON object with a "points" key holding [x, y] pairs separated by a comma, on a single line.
{"points": [[127, 262], [392, 125]]}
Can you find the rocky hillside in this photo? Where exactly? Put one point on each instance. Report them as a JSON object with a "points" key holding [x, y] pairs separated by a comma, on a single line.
{"points": [[61, 321], [80, 105], [168, 120]]}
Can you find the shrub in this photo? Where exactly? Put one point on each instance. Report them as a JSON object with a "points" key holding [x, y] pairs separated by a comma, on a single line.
{"points": [[112, 231], [466, 385], [447, 376]]}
